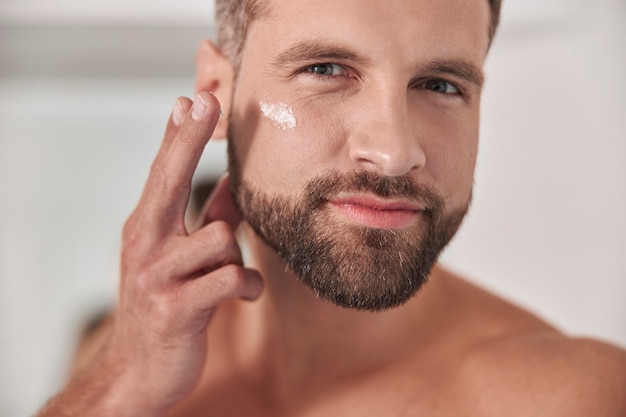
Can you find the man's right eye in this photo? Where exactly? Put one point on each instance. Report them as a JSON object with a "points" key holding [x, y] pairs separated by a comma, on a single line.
{"points": [[327, 69]]}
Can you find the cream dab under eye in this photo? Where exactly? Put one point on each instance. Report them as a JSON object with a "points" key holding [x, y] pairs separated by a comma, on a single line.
{"points": [[280, 114]]}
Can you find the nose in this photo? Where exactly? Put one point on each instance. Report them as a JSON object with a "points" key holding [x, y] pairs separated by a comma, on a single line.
{"points": [[386, 140]]}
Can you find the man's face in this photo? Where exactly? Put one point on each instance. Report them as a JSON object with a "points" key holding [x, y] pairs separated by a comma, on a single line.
{"points": [[354, 132]]}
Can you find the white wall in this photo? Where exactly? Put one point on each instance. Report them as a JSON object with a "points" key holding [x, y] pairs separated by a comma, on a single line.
{"points": [[548, 228], [82, 109]]}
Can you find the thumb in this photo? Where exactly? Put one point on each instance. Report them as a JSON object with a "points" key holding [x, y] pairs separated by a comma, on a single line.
{"points": [[220, 206]]}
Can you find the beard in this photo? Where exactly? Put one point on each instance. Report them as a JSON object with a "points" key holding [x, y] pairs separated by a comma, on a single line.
{"points": [[350, 265]]}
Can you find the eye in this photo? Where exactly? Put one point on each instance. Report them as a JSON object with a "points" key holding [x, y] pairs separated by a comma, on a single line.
{"points": [[440, 86], [327, 69]]}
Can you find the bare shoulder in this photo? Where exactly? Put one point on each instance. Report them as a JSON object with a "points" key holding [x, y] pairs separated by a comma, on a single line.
{"points": [[546, 374], [519, 365]]}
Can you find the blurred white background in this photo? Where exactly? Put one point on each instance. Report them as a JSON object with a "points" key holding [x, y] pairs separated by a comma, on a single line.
{"points": [[86, 88]]}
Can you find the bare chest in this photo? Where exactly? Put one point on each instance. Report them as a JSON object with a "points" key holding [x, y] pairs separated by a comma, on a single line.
{"points": [[390, 394]]}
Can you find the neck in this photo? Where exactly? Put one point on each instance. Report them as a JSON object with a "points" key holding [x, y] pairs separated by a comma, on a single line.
{"points": [[295, 335]]}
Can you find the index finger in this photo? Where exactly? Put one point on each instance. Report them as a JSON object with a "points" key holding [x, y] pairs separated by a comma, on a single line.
{"points": [[167, 190]]}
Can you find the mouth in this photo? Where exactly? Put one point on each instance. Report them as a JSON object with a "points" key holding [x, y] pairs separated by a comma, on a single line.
{"points": [[374, 212]]}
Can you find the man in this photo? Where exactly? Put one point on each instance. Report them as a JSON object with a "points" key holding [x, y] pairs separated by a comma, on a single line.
{"points": [[353, 130]]}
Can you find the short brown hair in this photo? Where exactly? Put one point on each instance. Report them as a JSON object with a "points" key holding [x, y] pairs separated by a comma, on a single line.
{"points": [[233, 19]]}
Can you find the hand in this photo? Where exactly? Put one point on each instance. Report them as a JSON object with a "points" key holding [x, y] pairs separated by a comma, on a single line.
{"points": [[171, 280]]}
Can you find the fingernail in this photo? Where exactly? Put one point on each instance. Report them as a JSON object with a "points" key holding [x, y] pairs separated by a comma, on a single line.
{"points": [[198, 109], [221, 113], [177, 113]]}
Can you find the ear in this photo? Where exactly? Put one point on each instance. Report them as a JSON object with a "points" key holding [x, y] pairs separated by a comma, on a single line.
{"points": [[215, 73]]}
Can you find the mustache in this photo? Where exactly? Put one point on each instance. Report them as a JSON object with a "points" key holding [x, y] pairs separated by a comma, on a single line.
{"points": [[321, 188]]}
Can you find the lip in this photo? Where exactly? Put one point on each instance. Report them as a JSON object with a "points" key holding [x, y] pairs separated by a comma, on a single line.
{"points": [[375, 212]]}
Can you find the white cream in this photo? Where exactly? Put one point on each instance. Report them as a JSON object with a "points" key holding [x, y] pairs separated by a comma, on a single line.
{"points": [[280, 114]]}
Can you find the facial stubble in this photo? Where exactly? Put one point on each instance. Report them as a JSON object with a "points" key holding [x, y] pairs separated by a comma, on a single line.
{"points": [[350, 265]]}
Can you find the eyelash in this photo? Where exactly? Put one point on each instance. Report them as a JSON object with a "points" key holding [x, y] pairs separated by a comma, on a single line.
{"points": [[308, 71], [459, 92]]}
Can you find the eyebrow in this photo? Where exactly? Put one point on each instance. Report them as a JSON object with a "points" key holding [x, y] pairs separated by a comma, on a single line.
{"points": [[314, 50], [458, 68], [324, 51]]}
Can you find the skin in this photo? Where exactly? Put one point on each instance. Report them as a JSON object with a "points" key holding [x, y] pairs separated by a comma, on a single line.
{"points": [[451, 350]]}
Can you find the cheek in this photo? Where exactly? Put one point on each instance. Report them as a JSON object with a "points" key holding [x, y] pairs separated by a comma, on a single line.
{"points": [[451, 148], [323, 127], [283, 144]]}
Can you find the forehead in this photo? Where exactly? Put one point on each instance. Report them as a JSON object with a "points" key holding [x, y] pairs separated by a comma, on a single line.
{"points": [[454, 27]]}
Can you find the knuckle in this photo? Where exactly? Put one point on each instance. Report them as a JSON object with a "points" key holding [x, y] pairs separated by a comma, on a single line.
{"points": [[159, 304], [161, 313], [187, 137], [235, 273], [232, 277], [150, 274], [164, 308], [222, 234], [224, 247], [145, 279]]}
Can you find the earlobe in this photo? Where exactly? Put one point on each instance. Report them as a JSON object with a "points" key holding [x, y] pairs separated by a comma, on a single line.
{"points": [[215, 73]]}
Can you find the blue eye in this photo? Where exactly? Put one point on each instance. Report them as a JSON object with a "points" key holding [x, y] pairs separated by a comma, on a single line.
{"points": [[440, 86], [327, 69]]}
